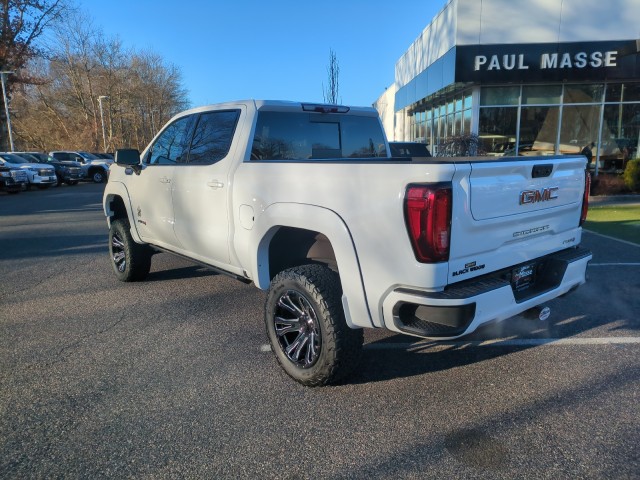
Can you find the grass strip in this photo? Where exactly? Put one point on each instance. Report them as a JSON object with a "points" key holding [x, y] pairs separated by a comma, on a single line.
{"points": [[619, 221]]}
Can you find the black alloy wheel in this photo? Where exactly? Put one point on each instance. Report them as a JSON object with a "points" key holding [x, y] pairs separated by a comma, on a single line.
{"points": [[297, 328], [306, 326]]}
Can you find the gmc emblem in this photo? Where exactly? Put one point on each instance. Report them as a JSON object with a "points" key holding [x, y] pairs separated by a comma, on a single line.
{"points": [[535, 196]]}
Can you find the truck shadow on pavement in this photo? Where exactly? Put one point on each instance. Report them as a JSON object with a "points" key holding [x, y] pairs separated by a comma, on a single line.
{"points": [[180, 273], [400, 356]]}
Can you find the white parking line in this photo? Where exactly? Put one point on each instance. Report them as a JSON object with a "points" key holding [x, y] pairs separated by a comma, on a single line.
{"points": [[614, 264], [611, 238], [518, 342]]}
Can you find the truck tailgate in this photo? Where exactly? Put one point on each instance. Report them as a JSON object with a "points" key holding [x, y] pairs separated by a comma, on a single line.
{"points": [[520, 209], [516, 187]]}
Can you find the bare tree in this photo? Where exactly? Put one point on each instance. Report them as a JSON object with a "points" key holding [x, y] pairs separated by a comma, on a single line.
{"points": [[22, 22], [140, 93], [331, 92]]}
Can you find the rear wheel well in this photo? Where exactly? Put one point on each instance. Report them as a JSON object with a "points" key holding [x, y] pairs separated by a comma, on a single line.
{"points": [[292, 247]]}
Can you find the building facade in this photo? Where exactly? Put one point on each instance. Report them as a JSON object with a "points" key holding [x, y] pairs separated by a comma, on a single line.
{"points": [[528, 78]]}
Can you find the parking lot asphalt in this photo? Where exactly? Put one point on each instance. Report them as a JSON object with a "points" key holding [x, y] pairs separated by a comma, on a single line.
{"points": [[169, 378]]}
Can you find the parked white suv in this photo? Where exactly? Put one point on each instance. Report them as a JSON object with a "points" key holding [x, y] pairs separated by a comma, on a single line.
{"points": [[42, 176], [93, 168]]}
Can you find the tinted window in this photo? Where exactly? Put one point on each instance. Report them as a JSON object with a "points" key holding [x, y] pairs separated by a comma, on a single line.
{"points": [[299, 136], [409, 150], [11, 158], [63, 156], [89, 156], [212, 136], [169, 147]]}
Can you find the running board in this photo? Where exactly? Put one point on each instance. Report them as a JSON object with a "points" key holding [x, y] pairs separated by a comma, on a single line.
{"points": [[205, 265]]}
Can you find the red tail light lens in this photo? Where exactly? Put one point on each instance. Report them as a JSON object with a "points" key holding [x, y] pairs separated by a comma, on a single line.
{"points": [[585, 198], [427, 210]]}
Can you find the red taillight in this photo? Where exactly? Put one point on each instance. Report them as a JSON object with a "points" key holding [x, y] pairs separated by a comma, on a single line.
{"points": [[585, 198], [427, 210]]}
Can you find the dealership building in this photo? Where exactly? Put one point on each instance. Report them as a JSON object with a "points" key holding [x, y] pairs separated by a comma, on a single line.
{"points": [[540, 77]]}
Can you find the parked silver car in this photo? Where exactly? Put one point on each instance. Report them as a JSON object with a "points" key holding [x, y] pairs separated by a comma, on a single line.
{"points": [[42, 176]]}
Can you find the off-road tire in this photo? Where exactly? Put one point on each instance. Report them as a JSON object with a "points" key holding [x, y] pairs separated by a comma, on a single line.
{"points": [[131, 261], [304, 303]]}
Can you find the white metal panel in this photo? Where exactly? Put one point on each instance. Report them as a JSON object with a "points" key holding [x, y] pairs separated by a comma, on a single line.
{"points": [[435, 40], [591, 20]]}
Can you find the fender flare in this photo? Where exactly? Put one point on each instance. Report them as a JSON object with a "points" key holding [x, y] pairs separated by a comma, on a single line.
{"points": [[321, 220], [119, 189]]}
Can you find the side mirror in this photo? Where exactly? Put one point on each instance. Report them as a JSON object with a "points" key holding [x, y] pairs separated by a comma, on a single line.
{"points": [[127, 157]]}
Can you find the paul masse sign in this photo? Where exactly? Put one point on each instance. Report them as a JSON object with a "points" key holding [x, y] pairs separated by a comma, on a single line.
{"points": [[547, 62]]}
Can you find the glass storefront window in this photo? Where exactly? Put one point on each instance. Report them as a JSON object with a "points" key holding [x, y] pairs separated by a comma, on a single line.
{"points": [[620, 135], [538, 130], [541, 94], [449, 125], [468, 101], [579, 128], [458, 123], [467, 121], [499, 96], [618, 92], [498, 128], [583, 93]]}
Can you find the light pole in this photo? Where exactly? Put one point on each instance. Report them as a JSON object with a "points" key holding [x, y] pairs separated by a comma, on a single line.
{"points": [[6, 107], [104, 133]]}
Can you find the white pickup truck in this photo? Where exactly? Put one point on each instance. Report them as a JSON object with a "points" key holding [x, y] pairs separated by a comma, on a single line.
{"points": [[305, 201]]}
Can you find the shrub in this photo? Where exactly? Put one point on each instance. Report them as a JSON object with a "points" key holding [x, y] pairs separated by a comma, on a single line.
{"points": [[607, 184], [468, 145], [632, 175]]}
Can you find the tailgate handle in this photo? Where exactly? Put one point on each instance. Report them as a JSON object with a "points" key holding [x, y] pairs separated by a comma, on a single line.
{"points": [[540, 171]]}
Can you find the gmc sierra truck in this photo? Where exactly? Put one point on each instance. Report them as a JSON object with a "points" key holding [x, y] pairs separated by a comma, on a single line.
{"points": [[306, 202]]}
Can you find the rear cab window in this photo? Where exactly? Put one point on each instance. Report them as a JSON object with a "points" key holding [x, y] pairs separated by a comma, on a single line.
{"points": [[316, 136]]}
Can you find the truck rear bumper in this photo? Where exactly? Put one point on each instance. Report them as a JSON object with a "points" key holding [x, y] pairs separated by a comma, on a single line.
{"points": [[463, 307]]}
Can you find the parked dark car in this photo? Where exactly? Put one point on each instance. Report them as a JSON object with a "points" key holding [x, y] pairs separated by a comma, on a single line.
{"points": [[409, 149], [68, 171], [93, 167]]}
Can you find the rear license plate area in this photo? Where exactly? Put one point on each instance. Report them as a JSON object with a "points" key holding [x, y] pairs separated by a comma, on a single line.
{"points": [[523, 277]]}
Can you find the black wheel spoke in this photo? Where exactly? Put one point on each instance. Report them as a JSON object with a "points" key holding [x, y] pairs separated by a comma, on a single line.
{"points": [[312, 350], [117, 242], [285, 326], [287, 303], [294, 351]]}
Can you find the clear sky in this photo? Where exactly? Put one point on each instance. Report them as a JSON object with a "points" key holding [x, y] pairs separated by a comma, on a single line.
{"points": [[277, 50]]}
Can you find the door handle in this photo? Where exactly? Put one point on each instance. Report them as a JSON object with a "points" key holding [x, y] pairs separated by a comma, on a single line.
{"points": [[215, 184], [165, 180]]}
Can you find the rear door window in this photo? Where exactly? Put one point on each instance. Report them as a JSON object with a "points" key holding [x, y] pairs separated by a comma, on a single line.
{"points": [[212, 136]]}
